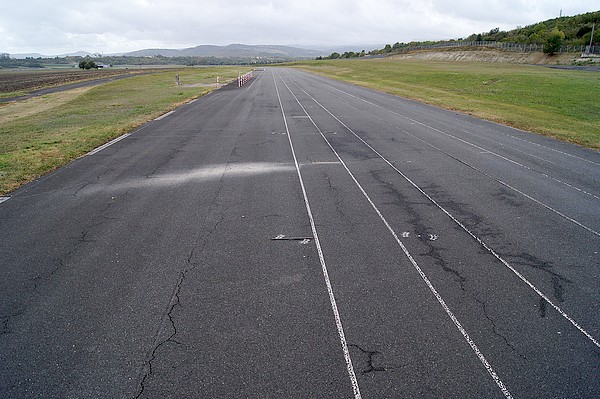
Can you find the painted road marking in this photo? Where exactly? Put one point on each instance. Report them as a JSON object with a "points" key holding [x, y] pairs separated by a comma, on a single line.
{"points": [[98, 149], [164, 115], [336, 313], [439, 298], [479, 240], [4, 199], [472, 167], [283, 237]]}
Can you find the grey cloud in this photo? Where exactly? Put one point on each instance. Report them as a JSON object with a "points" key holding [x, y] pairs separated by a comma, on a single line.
{"points": [[123, 25]]}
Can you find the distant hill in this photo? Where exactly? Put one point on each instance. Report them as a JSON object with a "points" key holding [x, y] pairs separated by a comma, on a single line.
{"points": [[28, 55], [37, 55], [232, 50]]}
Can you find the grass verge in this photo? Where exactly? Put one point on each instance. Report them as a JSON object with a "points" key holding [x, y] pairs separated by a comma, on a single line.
{"points": [[44, 133], [563, 104]]}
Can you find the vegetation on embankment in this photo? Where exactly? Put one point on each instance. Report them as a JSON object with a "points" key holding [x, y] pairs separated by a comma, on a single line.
{"points": [[44, 133], [572, 32], [558, 103]]}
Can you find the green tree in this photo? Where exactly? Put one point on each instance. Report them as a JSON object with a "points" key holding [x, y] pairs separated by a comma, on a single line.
{"points": [[87, 64], [554, 41]]}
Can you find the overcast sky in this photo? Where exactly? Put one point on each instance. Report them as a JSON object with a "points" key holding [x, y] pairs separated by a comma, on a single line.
{"points": [[111, 26]]}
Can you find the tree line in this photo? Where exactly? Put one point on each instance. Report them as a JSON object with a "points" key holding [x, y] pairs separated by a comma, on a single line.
{"points": [[347, 54]]}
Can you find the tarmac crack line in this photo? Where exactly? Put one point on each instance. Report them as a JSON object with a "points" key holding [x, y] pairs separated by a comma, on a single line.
{"points": [[199, 247], [370, 360], [433, 252], [173, 304], [6, 320]]}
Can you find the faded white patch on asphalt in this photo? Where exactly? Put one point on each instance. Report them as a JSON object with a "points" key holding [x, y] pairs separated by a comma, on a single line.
{"points": [[205, 174]]}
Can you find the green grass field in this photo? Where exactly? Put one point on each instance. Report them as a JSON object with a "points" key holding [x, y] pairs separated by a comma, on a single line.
{"points": [[564, 104], [44, 133]]}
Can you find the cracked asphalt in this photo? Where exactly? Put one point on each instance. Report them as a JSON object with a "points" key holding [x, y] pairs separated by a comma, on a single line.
{"points": [[448, 256]]}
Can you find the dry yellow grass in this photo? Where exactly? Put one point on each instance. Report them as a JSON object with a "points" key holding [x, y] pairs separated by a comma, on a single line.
{"points": [[22, 109]]}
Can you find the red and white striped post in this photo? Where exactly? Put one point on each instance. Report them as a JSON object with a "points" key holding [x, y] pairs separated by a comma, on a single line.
{"points": [[245, 78]]}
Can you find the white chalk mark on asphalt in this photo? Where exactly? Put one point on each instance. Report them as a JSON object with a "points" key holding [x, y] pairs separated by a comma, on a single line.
{"points": [[336, 313], [207, 173], [4, 199]]}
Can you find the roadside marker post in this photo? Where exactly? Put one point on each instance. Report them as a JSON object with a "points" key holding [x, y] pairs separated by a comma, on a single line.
{"points": [[245, 78]]}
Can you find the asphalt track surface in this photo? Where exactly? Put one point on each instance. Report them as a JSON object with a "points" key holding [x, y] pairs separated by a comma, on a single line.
{"points": [[305, 238]]}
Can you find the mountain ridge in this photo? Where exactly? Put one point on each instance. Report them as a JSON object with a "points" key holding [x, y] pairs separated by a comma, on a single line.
{"points": [[231, 50], [235, 50]]}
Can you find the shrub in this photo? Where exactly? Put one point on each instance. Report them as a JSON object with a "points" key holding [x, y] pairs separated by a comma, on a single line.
{"points": [[87, 64], [554, 41]]}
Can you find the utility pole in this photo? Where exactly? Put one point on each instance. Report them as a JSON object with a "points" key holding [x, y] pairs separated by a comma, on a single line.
{"points": [[588, 50]]}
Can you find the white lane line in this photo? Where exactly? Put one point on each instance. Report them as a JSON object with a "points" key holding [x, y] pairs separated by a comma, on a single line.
{"points": [[552, 149], [254, 80], [98, 149], [535, 157], [439, 298], [485, 151], [479, 240], [548, 207], [536, 144], [506, 184], [4, 199], [165, 115], [336, 313], [483, 127]]}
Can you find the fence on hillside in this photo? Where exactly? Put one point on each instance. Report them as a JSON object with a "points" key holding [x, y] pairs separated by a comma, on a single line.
{"points": [[517, 47]]}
